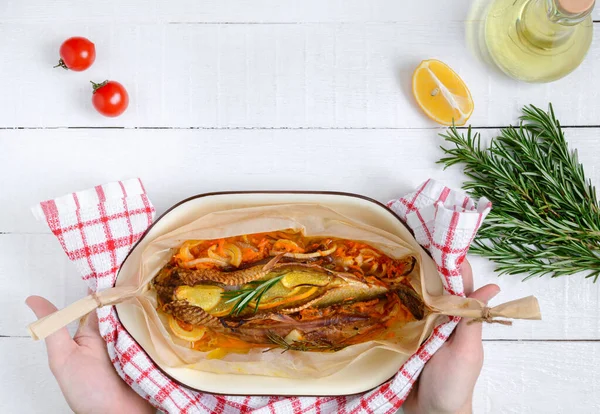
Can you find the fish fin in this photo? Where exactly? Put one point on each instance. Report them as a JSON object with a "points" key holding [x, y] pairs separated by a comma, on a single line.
{"points": [[351, 278], [273, 262]]}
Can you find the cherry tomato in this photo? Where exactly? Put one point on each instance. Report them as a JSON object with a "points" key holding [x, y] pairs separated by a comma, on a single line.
{"points": [[77, 53], [110, 98]]}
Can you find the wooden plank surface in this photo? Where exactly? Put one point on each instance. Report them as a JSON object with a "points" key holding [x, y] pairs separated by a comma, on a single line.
{"points": [[34, 264], [539, 377], [177, 163], [236, 11], [28, 385], [517, 378], [269, 94], [264, 76]]}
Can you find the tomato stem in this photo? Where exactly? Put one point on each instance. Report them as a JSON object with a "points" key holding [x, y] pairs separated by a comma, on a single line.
{"points": [[61, 63], [98, 85]]}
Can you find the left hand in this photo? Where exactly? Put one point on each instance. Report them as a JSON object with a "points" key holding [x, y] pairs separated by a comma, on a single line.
{"points": [[83, 369]]}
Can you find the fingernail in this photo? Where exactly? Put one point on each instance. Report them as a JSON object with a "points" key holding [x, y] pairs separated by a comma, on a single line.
{"points": [[495, 294]]}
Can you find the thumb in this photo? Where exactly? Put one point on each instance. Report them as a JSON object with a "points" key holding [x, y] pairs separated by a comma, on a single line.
{"points": [[88, 325], [468, 334], [485, 293], [59, 344]]}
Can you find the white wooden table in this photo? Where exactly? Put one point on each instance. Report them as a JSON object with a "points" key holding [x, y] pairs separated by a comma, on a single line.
{"points": [[268, 94]]}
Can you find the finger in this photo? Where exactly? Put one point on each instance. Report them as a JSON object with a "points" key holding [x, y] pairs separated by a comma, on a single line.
{"points": [[466, 335], [467, 273], [486, 293], [88, 325], [59, 343]]}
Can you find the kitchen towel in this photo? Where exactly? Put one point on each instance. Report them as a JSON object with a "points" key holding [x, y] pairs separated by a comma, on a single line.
{"points": [[98, 227]]}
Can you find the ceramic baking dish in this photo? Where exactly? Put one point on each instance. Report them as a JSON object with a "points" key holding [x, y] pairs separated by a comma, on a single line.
{"points": [[367, 372]]}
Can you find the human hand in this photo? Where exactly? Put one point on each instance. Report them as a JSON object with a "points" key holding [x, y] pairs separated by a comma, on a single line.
{"points": [[446, 384], [83, 369]]}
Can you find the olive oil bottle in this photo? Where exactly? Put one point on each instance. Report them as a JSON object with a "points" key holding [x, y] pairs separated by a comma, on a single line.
{"points": [[538, 40]]}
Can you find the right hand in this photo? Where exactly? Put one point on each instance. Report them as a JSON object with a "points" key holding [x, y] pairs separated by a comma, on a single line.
{"points": [[448, 378]]}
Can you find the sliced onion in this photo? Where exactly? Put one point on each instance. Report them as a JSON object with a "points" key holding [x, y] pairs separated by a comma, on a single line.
{"points": [[235, 254], [347, 262], [185, 254], [217, 262], [194, 335], [294, 336], [211, 253], [308, 255], [290, 243], [184, 250], [359, 259], [247, 246], [370, 252]]}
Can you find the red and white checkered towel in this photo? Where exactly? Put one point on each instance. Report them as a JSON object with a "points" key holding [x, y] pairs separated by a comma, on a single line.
{"points": [[98, 227]]}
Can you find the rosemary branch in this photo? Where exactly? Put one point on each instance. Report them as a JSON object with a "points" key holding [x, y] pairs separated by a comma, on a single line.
{"points": [[244, 296], [302, 345], [546, 216]]}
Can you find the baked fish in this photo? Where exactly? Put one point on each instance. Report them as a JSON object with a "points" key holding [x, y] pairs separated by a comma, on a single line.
{"points": [[284, 290]]}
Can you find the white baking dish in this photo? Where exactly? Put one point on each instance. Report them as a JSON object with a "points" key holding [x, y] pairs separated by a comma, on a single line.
{"points": [[367, 372]]}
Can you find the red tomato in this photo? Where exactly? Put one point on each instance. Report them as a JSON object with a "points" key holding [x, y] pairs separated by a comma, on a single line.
{"points": [[77, 53], [110, 98]]}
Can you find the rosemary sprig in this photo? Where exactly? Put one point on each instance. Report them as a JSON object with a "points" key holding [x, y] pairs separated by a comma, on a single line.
{"points": [[244, 296], [301, 345], [545, 218]]}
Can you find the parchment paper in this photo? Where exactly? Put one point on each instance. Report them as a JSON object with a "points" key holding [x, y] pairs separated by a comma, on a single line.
{"points": [[313, 221]]}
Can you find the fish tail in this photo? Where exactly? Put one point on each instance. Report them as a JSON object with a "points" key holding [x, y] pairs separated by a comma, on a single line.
{"points": [[412, 301]]}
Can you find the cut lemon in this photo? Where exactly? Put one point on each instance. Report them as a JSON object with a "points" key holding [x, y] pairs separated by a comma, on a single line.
{"points": [[293, 279], [204, 296], [441, 93], [297, 294], [194, 335]]}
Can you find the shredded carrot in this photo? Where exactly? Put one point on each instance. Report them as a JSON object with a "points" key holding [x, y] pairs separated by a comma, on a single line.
{"points": [[357, 269], [249, 255], [184, 325], [312, 313], [255, 247], [288, 246], [205, 266], [364, 306]]}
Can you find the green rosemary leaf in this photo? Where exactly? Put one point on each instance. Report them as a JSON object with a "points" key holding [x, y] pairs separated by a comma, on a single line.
{"points": [[252, 291], [546, 216], [303, 346]]}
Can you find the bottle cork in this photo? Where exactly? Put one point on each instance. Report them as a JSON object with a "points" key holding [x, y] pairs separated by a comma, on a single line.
{"points": [[575, 6]]}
